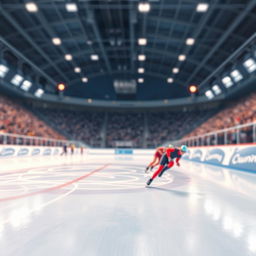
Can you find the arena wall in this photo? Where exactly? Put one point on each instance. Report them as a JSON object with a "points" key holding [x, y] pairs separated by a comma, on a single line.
{"points": [[242, 157], [28, 151]]}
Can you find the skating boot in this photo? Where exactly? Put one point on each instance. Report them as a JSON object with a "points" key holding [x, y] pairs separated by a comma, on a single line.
{"points": [[149, 181]]}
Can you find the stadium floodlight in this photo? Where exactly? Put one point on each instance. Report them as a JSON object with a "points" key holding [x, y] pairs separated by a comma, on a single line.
{"points": [[141, 80], [31, 7], [77, 69], [144, 7], [17, 79], [84, 79], [94, 57], [250, 65], [236, 75], [141, 57], [56, 41], [170, 80], [39, 92], [61, 87], [193, 89], [182, 57], [209, 94], [142, 41], [227, 81], [216, 89], [3, 70], [26, 85], [175, 70], [190, 41], [68, 57], [202, 7], [71, 7], [141, 70]]}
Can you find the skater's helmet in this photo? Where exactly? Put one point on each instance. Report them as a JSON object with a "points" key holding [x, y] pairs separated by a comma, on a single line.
{"points": [[170, 146], [184, 148]]}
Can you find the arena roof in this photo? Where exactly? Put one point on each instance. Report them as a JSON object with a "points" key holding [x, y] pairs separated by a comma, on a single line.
{"points": [[181, 40]]}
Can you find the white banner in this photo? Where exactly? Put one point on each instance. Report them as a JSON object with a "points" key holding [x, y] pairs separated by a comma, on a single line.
{"points": [[235, 156]]}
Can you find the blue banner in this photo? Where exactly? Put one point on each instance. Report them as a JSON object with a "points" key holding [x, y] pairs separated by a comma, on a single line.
{"points": [[244, 159], [124, 151]]}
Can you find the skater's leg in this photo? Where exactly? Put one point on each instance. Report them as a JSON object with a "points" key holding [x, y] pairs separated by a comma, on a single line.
{"points": [[170, 164], [152, 163], [161, 167], [156, 163]]}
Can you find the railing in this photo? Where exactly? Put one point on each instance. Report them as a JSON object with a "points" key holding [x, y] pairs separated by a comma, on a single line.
{"points": [[245, 133], [16, 139]]}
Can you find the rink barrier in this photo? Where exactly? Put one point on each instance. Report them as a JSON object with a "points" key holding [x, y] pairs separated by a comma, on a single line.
{"points": [[27, 151], [242, 157], [121, 151]]}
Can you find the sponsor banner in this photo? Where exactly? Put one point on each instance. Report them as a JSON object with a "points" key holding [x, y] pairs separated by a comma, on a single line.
{"points": [[244, 158], [238, 157], [215, 156], [26, 151], [124, 151]]}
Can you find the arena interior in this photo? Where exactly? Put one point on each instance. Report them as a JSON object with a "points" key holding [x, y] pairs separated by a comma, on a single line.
{"points": [[93, 91]]}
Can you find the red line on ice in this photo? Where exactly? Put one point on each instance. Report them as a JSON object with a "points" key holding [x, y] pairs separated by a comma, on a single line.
{"points": [[55, 187]]}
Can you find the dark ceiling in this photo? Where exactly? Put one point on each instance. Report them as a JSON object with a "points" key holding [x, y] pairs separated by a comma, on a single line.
{"points": [[111, 28]]}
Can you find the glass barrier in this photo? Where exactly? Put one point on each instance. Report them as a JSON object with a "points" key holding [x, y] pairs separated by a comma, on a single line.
{"points": [[15, 139], [240, 134]]}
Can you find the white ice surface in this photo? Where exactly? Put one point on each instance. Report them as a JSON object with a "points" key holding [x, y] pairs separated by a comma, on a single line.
{"points": [[49, 206]]}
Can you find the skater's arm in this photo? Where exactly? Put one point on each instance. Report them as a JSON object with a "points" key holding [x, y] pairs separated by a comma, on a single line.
{"points": [[177, 161]]}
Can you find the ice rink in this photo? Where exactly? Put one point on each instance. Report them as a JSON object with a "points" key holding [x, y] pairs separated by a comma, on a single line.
{"points": [[99, 206]]}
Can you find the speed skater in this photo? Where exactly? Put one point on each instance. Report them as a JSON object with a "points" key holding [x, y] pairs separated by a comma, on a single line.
{"points": [[167, 161], [157, 156]]}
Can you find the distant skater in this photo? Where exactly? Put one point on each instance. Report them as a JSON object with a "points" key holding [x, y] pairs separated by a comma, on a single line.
{"points": [[65, 150], [157, 156], [167, 161]]}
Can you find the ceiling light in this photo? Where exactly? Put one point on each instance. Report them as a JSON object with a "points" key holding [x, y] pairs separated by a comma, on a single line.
{"points": [[170, 80], [216, 89], [141, 57], [84, 79], [142, 41], [77, 69], [71, 7], [31, 7], [56, 41], [39, 93], [175, 70], [68, 57], [209, 94], [250, 65], [236, 75], [3, 70], [190, 41], [17, 79], [227, 81], [26, 85], [141, 70], [202, 7], [182, 57], [94, 57], [141, 80], [193, 89], [144, 7]]}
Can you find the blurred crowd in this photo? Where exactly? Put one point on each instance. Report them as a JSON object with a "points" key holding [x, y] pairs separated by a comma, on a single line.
{"points": [[167, 126], [17, 120], [125, 130], [241, 112], [77, 125], [129, 129]]}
